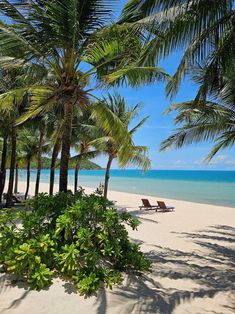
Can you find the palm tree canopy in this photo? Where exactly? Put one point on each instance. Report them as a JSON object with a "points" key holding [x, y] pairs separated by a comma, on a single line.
{"points": [[203, 29], [59, 36], [72, 42], [202, 119], [28, 143], [87, 137], [131, 154]]}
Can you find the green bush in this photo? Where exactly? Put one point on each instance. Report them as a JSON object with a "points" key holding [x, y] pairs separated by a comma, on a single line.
{"points": [[78, 237]]}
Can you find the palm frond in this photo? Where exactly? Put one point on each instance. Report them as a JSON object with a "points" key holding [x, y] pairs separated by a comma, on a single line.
{"points": [[136, 156], [86, 156], [110, 123], [136, 76], [138, 125], [9, 101], [210, 122], [42, 99], [227, 140]]}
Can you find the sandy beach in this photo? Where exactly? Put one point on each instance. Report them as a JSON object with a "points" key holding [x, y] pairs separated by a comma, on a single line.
{"points": [[193, 255]]}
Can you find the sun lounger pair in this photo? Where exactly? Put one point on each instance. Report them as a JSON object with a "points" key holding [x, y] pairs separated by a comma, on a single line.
{"points": [[161, 206]]}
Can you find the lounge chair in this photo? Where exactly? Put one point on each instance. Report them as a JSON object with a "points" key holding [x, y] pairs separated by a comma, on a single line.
{"points": [[163, 207], [147, 205]]}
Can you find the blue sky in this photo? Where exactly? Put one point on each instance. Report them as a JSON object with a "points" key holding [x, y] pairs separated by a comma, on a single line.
{"points": [[158, 127]]}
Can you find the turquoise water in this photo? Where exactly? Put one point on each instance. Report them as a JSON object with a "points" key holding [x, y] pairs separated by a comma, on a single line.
{"points": [[210, 187]]}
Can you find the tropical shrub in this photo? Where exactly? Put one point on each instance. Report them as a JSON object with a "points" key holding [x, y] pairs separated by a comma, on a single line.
{"points": [[81, 238]]}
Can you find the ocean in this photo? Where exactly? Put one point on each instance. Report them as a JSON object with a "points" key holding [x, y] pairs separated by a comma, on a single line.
{"points": [[209, 187]]}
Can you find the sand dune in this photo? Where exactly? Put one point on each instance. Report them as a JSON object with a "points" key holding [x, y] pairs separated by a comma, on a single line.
{"points": [[193, 255]]}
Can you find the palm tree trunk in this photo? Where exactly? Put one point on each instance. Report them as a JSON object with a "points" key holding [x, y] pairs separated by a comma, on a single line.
{"points": [[9, 200], [42, 132], [55, 153], [16, 178], [28, 178], [77, 167], [3, 167], [107, 176], [66, 143]]}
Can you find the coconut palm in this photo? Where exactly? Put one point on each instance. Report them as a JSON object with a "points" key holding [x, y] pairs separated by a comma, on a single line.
{"points": [[87, 140], [135, 155], [56, 140], [203, 29], [55, 152], [10, 110], [202, 119], [29, 147], [4, 133], [42, 128], [71, 40]]}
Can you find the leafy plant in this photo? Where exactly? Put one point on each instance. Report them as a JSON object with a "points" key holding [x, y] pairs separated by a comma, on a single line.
{"points": [[73, 236]]}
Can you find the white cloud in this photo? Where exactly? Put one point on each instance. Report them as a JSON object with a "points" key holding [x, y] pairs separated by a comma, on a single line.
{"points": [[198, 162], [230, 162], [219, 159], [180, 163]]}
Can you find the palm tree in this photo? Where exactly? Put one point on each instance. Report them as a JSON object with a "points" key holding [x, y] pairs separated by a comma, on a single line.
{"points": [[54, 133], [59, 37], [55, 152], [202, 119], [29, 147], [4, 135], [12, 105], [114, 148], [203, 29], [87, 140], [41, 144]]}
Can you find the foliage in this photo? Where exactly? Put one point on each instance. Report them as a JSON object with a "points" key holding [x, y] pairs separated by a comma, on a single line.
{"points": [[73, 43], [72, 236], [135, 155], [204, 30], [202, 119], [46, 161]]}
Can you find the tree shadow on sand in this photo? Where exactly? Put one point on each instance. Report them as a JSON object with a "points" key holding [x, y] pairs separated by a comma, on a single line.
{"points": [[202, 274], [7, 281], [205, 273]]}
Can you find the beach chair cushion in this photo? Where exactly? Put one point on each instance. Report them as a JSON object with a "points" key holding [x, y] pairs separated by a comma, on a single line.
{"points": [[163, 206]]}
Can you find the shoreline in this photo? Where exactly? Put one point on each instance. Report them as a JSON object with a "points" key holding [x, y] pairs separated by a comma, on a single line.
{"points": [[192, 251], [201, 188], [44, 187]]}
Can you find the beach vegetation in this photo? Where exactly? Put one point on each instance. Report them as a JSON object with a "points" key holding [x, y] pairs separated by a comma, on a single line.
{"points": [[114, 148], [71, 236], [30, 145], [87, 140], [74, 43], [12, 106], [3, 150], [210, 116], [203, 30]]}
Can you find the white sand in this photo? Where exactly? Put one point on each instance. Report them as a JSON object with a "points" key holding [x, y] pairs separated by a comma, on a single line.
{"points": [[193, 256]]}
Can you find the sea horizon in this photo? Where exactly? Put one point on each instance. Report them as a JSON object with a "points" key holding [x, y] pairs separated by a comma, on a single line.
{"points": [[215, 187]]}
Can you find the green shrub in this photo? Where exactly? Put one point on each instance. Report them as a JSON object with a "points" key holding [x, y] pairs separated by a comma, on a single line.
{"points": [[78, 237]]}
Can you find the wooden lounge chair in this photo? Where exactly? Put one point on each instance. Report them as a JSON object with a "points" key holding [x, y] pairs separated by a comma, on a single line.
{"points": [[147, 205], [163, 207]]}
